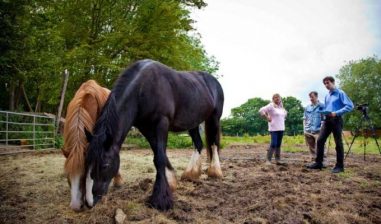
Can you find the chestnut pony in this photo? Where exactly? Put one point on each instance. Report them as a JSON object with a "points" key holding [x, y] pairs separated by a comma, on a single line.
{"points": [[155, 99], [82, 112]]}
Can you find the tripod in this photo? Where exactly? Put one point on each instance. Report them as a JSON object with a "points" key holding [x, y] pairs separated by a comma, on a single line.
{"points": [[329, 141], [367, 126]]}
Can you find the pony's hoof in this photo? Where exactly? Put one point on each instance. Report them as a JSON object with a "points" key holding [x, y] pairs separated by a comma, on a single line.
{"points": [[118, 182], [191, 175], [214, 172], [193, 171]]}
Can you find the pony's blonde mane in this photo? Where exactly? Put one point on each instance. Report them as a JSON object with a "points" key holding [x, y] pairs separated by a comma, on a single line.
{"points": [[78, 118]]}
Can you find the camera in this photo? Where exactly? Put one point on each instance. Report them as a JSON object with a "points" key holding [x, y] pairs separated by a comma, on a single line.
{"points": [[362, 107]]}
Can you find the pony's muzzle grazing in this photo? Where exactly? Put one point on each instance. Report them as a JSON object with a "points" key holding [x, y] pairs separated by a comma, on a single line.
{"points": [[76, 206], [97, 198], [95, 201], [88, 205]]}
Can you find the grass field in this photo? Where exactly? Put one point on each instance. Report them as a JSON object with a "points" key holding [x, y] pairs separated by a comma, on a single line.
{"points": [[295, 143], [290, 143]]}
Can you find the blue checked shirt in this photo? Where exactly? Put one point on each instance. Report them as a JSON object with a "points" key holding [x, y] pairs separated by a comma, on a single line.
{"points": [[313, 117], [338, 102]]}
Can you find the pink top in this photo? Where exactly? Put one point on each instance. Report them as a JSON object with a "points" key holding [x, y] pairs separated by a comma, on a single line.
{"points": [[277, 114]]}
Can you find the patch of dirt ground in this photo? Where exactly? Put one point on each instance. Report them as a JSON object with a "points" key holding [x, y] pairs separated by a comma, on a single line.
{"points": [[33, 189]]}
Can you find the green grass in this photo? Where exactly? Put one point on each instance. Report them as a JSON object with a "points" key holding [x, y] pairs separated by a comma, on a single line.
{"points": [[299, 139], [297, 143], [349, 173], [289, 144], [287, 148], [358, 145], [175, 141], [228, 140], [139, 142], [58, 142], [179, 141]]}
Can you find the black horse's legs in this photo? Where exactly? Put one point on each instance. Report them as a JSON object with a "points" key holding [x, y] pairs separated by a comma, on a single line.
{"points": [[212, 130], [161, 197], [193, 171]]}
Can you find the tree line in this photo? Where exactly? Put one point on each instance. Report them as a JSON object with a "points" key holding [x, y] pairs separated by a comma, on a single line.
{"points": [[92, 39]]}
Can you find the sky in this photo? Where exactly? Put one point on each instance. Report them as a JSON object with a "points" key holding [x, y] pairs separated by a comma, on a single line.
{"points": [[286, 47]]}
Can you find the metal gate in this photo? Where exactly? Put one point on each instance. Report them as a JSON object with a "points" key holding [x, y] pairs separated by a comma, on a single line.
{"points": [[26, 130]]}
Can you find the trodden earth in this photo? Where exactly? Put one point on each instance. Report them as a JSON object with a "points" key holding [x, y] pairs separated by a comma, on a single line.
{"points": [[33, 189]]}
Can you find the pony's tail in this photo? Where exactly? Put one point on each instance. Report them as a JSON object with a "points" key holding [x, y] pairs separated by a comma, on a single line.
{"points": [[75, 140]]}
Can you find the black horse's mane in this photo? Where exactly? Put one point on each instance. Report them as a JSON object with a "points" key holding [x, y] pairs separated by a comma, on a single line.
{"points": [[106, 126], [125, 79], [104, 131]]}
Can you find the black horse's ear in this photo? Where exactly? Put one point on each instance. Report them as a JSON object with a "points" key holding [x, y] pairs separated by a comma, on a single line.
{"points": [[89, 136]]}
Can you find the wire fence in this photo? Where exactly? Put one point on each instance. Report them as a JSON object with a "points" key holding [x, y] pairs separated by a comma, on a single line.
{"points": [[27, 130]]}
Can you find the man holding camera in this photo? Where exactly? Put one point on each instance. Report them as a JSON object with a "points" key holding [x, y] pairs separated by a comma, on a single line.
{"points": [[337, 103]]}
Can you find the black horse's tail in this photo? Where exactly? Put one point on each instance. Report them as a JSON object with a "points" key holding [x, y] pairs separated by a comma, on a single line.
{"points": [[212, 134], [212, 123]]}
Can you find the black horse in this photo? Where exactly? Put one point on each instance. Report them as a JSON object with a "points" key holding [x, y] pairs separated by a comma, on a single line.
{"points": [[155, 99]]}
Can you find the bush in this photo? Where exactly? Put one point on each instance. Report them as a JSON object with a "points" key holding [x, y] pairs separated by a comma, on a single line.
{"points": [[175, 141], [179, 141], [58, 142]]}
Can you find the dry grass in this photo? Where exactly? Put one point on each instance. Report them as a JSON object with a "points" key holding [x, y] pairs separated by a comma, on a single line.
{"points": [[33, 189]]}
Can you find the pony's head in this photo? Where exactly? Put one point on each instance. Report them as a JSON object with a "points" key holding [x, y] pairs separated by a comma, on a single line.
{"points": [[82, 112], [102, 159]]}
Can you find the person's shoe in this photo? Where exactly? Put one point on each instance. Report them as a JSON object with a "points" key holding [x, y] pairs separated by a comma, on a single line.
{"points": [[315, 166], [280, 163], [337, 169], [268, 163]]}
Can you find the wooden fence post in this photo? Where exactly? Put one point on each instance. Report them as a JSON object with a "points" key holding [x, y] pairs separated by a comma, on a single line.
{"points": [[63, 91]]}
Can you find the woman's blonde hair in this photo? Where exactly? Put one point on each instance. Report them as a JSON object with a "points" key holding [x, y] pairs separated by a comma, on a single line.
{"points": [[278, 95]]}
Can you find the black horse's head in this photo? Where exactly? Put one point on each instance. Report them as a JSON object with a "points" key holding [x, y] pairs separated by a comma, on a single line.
{"points": [[102, 159]]}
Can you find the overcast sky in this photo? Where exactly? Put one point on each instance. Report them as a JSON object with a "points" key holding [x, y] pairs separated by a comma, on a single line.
{"points": [[286, 47]]}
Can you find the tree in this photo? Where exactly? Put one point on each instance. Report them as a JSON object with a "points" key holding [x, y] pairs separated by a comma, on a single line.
{"points": [[13, 26], [245, 119], [361, 80], [93, 39], [294, 119]]}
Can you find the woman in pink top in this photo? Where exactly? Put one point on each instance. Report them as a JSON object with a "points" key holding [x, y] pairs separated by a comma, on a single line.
{"points": [[275, 115]]}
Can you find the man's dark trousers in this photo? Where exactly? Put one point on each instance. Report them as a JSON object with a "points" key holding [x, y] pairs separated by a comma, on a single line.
{"points": [[331, 125]]}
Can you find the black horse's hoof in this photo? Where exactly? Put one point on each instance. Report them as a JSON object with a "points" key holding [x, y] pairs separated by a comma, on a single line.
{"points": [[161, 203]]}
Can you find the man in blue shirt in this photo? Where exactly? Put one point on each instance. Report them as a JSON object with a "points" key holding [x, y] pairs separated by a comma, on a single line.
{"points": [[336, 104], [312, 122]]}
